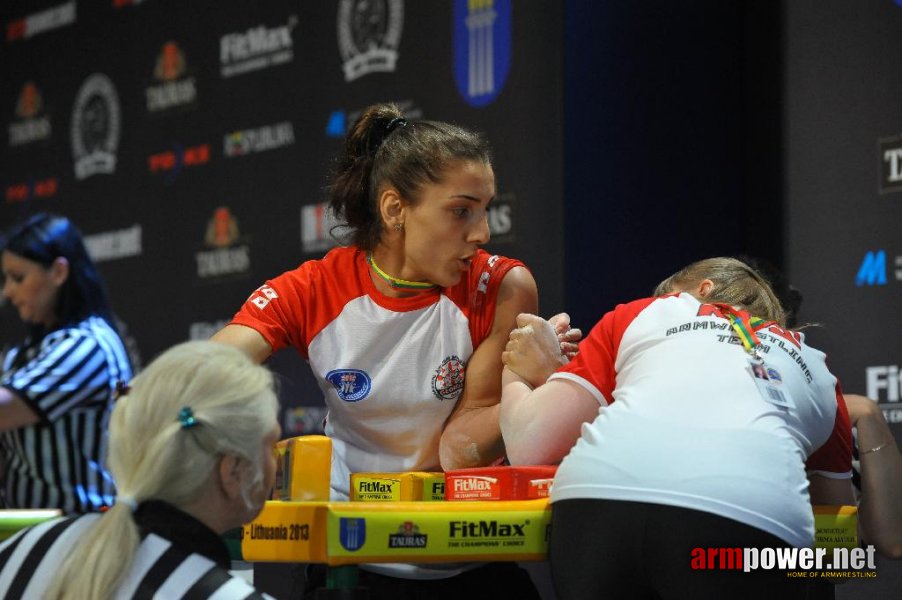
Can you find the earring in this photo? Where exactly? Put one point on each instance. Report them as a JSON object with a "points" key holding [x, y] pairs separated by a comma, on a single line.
{"points": [[399, 226]]}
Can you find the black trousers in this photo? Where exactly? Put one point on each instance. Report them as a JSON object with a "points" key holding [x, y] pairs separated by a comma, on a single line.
{"points": [[634, 550], [493, 581]]}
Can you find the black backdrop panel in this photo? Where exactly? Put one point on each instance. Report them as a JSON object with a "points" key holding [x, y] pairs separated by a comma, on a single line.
{"points": [[229, 116], [845, 208]]}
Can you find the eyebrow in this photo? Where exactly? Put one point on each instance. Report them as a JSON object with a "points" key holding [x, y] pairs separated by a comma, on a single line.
{"points": [[469, 197]]}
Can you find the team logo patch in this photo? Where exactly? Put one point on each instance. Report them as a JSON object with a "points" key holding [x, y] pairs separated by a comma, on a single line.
{"points": [[352, 533], [352, 385], [448, 381]]}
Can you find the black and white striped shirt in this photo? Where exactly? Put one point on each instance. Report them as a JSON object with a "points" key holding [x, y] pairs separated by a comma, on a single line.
{"points": [[68, 379], [178, 557]]}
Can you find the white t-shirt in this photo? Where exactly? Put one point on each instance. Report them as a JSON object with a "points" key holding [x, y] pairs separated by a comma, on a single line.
{"points": [[685, 422]]}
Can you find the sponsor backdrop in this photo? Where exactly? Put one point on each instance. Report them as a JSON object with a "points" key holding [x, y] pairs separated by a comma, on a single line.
{"points": [[194, 158], [191, 143], [844, 181]]}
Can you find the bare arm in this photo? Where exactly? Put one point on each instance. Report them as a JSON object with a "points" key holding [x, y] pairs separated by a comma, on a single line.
{"points": [[880, 507], [245, 339], [472, 435], [14, 412]]}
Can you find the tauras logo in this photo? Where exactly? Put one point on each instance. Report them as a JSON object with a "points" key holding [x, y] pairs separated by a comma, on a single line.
{"points": [[31, 125], [257, 48], [408, 536], [174, 87], [486, 529], [228, 256]]}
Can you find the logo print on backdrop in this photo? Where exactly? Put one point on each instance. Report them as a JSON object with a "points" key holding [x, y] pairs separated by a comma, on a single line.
{"points": [[228, 255], [46, 20], [448, 381], [369, 33], [35, 188], [171, 162], [482, 48], [885, 386], [30, 125], [95, 127], [873, 269], [339, 119], [257, 48], [890, 155], [500, 215], [124, 3], [175, 86], [111, 245], [352, 385], [251, 141], [317, 222]]}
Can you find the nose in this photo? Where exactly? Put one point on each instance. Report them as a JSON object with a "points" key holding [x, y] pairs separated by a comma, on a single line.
{"points": [[480, 233]]}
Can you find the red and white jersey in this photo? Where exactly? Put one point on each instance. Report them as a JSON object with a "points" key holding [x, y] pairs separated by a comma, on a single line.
{"points": [[391, 369], [684, 421]]}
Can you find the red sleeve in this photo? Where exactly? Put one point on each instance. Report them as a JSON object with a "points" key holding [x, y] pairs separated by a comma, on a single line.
{"points": [[835, 456], [477, 296], [598, 351], [275, 309]]}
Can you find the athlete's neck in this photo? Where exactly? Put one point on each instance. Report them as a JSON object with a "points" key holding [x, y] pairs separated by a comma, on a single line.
{"points": [[389, 284]]}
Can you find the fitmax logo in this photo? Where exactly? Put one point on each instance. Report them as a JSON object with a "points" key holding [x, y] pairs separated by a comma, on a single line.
{"points": [[873, 269]]}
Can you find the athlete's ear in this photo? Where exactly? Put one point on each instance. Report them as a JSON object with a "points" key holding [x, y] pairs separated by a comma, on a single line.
{"points": [[705, 288], [391, 209]]}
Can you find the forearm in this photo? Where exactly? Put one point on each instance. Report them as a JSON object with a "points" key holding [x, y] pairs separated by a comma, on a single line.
{"points": [[472, 439], [540, 426], [517, 420], [880, 508]]}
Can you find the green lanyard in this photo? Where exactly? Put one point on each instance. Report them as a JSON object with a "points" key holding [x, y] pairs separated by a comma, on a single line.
{"points": [[745, 327]]}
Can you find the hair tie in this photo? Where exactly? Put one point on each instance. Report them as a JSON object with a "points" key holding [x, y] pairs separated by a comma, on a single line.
{"points": [[380, 134], [122, 389], [128, 501], [394, 124], [186, 418]]}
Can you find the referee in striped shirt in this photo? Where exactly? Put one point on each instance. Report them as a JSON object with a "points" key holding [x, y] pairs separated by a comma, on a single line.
{"points": [[191, 450], [56, 387]]}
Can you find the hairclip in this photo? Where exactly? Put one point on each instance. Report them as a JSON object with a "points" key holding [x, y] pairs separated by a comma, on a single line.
{"points": [[122, 389], [186, 418]]}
